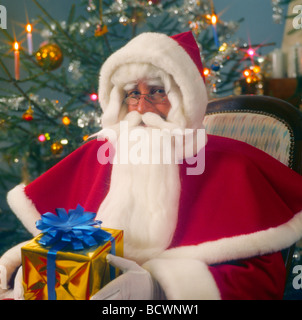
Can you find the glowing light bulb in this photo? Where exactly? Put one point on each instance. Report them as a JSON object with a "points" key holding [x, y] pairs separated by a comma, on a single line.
{"points": [[256, 69], [251, 52], [66, 120], [64, 141], [41, 138], [206, 72], [93, 96], [246, 72]]}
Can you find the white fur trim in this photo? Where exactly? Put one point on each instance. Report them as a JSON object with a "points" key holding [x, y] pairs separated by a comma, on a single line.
{"points": [[165, 53], [243, 246], [24, 208], [184, 279]]}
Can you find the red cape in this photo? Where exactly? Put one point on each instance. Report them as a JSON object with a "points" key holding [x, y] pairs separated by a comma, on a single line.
{"points": [[245, 204]]}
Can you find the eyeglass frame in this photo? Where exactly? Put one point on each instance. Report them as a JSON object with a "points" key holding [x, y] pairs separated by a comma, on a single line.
{"points": [[164, 99]]}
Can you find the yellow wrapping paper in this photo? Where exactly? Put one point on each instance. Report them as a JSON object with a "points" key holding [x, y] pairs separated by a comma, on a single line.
{"points": [[79, 274]]}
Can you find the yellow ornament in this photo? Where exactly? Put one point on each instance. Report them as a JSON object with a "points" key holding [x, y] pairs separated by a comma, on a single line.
{"points": [[56, 148], [49, 56], [100, 30], [28, 114]]}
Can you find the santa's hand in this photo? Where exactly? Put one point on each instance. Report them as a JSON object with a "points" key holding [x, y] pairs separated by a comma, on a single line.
{"points": [[9, 263], [18, 286], [135, 283]]}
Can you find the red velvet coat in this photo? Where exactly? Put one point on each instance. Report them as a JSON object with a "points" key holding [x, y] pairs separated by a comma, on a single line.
{"points": [[233, 219]]}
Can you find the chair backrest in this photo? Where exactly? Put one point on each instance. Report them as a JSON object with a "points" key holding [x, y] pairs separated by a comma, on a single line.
{"points": [[268, 123]]}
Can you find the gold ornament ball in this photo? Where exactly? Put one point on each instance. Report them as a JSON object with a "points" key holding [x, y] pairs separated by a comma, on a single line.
{"points": [[56, 148], [49, 56]]}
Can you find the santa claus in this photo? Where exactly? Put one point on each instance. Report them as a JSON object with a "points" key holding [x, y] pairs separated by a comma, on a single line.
{"points": [[214, 233]]}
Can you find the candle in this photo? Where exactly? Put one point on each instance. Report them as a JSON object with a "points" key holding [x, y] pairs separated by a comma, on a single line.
{"points": [[294, 63], [214, 21], [29, 39], [277, 64], [17, 60]]}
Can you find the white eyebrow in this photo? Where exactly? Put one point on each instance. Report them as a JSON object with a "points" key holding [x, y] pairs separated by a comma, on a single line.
{"points": [[150, 82]]}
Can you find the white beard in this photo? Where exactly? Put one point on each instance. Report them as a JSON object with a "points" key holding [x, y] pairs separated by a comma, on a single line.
{"points": [[142, 200]]}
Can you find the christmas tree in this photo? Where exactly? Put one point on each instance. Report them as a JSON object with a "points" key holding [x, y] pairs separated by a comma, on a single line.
{"points": [[49, 102]]}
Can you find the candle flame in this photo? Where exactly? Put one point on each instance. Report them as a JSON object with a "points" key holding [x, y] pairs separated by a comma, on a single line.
{"points": [[16, 46], [213, 19], [28, 28]]}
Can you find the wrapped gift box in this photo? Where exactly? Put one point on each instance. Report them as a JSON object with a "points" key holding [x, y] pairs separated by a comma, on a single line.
{"points": [[58, 271]]}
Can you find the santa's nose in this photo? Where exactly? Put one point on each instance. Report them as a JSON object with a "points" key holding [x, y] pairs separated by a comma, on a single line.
{"points": [[143, 105]]}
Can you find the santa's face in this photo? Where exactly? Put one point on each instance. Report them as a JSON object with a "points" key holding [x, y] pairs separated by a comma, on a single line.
{"points": [[146, 97]]}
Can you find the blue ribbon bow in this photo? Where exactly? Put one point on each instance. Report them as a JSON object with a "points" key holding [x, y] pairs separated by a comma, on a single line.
{"points": [[77, 228]]}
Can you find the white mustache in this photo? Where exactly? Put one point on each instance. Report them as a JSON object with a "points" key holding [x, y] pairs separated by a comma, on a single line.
{"points": [[154, 120], [136, 119], [150, 119]]}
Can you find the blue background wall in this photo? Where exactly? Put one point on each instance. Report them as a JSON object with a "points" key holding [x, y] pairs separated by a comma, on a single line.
{"points": [[258, 25]]}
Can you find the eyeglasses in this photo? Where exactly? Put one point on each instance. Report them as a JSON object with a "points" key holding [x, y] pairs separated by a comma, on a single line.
{"points": [[156, 97]]}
